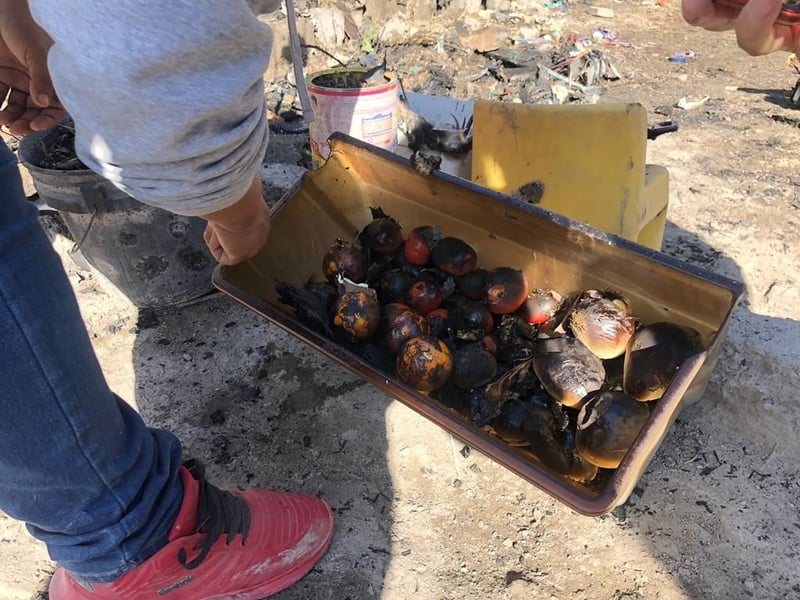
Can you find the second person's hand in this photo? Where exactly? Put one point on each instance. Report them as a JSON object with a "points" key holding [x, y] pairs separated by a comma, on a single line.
{"points": [[755, 27], [25, 86], [21, 115]]}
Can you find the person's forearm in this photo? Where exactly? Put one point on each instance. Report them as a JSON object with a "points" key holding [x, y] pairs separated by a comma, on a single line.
{"points": [[240, 215], [167, 97], [237, 233]]}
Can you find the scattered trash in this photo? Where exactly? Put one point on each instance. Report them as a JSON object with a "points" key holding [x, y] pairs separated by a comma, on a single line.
{"points": [[692, 102], [529, 60], [395, 31], [607, 37], [557, 5], [491, 71], [517, 56], [529, 33], [416, 132], [587, 65], [329, 25], [602, 11], [560, 93], [604, 35], [425, 163], [660, 129], [570, 72], [564, 78], [682, 57], [482, 40]]}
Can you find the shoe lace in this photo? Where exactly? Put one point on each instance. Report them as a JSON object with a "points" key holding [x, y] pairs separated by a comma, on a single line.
{"points": [[217, 512]]}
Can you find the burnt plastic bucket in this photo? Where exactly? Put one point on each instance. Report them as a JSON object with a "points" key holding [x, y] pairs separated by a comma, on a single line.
{"points": [[154, 257]]}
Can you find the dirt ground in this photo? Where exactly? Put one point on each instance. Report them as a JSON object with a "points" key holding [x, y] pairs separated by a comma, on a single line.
{"points": [[716, 513]]}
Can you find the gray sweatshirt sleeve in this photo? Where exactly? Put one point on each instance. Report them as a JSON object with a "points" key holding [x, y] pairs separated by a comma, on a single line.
{"points": [[167, 96]]}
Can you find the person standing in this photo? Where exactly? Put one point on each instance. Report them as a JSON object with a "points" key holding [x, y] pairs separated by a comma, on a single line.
{"points": [[167, 100]]}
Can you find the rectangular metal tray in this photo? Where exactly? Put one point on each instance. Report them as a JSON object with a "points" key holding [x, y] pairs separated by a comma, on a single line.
{"points": [[553, 251]]}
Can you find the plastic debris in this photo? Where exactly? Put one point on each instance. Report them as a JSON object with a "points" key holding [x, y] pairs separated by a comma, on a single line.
{"points": [[561, 93], [557, 5], [682, 57], [692, 102], [660, 129], [603, 12], [607, 37], [590, 67], [601, 34]]}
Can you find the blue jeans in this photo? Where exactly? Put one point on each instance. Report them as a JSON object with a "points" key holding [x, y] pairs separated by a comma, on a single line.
{"points": [[77, 464]]}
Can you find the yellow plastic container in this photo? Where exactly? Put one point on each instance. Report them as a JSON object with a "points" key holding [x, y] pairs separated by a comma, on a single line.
{"points": [[587, 162]]}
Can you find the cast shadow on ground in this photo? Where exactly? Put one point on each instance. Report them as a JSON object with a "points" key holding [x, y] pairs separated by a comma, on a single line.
{"points": [[717, 496], [262, 409], [778, 97]]}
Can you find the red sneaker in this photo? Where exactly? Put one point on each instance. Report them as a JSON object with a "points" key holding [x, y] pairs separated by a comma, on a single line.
{"points": [[272, 540]]}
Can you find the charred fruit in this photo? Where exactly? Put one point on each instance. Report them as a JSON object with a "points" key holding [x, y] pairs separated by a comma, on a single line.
{"points": [[472, 367], [357, 315], [506, 290], [608, 424], [654, 355], [383, 235], [439, 322], [424, 296], [326, 292], [399, 323], [535, 422], [393, 286], [455, 256], [489, 343], [475, 316], [342, 257], [540, 306], [473, 284], [567, 370], [424, 363], [603, 321], [420, 244]]}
